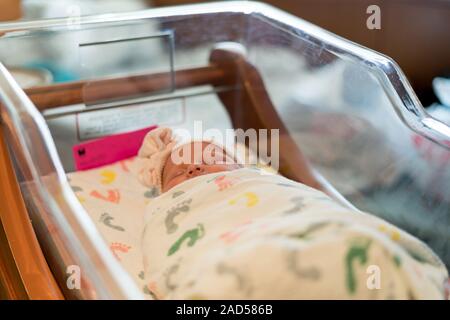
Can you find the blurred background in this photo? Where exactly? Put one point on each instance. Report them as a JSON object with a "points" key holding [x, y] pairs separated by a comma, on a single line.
{"points": [[413, 32]]}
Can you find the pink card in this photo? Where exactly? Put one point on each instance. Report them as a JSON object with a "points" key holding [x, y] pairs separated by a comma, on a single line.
{"points": [[110, 149]]}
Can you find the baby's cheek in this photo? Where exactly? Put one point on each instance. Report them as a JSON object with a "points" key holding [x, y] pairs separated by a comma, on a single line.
{"points": [[220, 168], [175, 181]]}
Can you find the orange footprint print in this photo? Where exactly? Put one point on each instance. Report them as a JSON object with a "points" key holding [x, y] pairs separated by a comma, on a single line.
{"points": [[119, 247], [113, 195], [153, 290]]}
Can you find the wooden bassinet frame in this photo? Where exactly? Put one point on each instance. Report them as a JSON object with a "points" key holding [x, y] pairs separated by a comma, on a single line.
{"points": [[247, 103]]}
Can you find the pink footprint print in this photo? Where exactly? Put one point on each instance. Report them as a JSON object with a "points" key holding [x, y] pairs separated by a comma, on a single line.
{"points": [[235, 233], [119, 247], [224, 182]]}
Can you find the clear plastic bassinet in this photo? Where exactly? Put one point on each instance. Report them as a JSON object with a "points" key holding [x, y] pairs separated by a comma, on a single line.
{"points": [[348, 109]]}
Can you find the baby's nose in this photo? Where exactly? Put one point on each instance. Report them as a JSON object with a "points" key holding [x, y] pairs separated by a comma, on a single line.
{"points": [[195, 170]]}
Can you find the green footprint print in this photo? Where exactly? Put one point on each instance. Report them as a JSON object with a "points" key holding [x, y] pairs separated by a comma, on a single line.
{"points": [[357, 252], [298, 205], [177, 194], [242, 281], [107, 219], [152, 193], [311, 273], [168, 275], [306, 234], [76, 189], [191, 236]]}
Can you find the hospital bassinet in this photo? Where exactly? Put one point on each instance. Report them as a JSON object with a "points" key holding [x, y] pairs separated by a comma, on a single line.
{"points": [[348, 109]]}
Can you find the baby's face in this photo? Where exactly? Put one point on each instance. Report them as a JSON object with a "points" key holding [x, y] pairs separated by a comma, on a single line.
{"points": [[210, 159]]}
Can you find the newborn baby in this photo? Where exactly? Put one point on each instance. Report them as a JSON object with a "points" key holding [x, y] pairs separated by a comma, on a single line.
{"points": [[217, 228], [169, 165]]}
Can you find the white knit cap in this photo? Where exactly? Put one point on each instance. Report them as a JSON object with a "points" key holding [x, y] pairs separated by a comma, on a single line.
{"points": [[156, 148]]}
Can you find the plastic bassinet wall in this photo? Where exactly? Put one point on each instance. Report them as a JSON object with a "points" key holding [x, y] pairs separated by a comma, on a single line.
{"points": [[349, 109]]}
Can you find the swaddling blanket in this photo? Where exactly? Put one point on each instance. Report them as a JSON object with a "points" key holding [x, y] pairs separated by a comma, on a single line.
{"points": [[247, 235]]}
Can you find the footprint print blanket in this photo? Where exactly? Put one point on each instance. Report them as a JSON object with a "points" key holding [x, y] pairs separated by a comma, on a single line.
{"points": [[116, 201], [245, 234]]}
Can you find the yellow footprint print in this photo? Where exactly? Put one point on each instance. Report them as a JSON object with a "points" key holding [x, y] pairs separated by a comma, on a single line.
{"points": [[394, 234], [252, 199], [80, 198], [108, 176]]}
